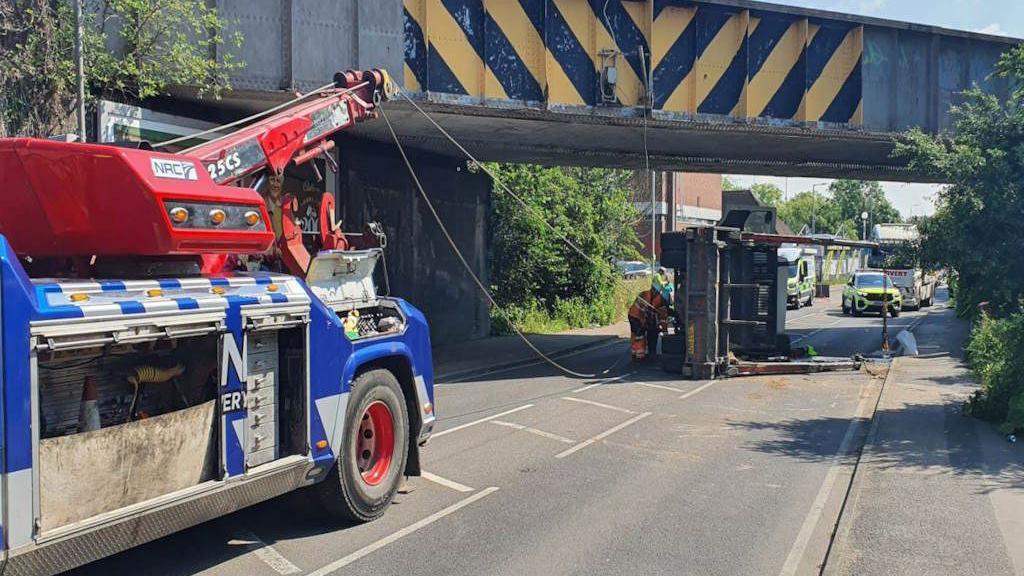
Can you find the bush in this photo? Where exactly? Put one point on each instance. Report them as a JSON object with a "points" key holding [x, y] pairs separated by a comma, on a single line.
{"points": [[544, 284], [994, 352], [567, 314]]}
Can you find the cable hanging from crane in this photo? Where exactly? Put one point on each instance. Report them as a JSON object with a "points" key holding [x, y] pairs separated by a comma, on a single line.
{"points": [[462, 259]]}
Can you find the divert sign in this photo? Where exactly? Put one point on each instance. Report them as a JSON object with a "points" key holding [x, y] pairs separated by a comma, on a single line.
{"points": [[174, 169]]}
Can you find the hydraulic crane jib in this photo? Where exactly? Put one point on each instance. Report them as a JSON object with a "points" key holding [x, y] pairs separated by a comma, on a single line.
{"points": [[67, 199]]}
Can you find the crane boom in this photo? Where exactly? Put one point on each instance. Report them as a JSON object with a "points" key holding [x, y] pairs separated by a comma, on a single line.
{"points": [[296, 134], [77, 200]]}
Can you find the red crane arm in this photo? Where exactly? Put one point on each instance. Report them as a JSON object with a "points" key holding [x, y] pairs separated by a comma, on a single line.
{"points": [[299, 133]]}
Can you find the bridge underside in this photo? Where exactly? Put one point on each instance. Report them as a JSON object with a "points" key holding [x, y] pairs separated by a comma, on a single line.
{"points": [[584, 139], [737, 86]]}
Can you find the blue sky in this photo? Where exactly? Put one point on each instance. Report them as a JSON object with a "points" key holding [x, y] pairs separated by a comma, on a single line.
{"points": [[1000, 17]]}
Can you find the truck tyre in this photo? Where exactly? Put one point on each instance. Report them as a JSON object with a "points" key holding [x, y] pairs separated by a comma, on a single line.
{"points": [[371, 462]]}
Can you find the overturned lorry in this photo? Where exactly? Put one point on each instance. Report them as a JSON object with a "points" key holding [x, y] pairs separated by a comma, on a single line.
{"points": [[730, 302], [146, 386]]}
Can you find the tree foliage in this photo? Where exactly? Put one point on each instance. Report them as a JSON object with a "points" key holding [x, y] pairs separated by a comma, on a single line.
{"points": [[839, 211], [532, 268], [766, 193], [729, 186], [979, 222], [977, 229], [132, 49]]}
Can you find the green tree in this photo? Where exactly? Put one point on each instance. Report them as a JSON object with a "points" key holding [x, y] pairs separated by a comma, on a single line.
{"points": [[810, 210], [768, 194], [978, 227], [728, 185], [853, 197], [133, 49], [532, 268]]}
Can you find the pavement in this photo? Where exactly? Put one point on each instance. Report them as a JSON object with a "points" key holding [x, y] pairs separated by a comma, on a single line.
{"points": [[935, 492], [636, 472]]}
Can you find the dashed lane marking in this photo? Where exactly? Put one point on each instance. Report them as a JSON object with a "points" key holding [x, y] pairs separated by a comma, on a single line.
{"points": [[599, 405], [812, 333], [533, 431], [602, 435], [602, 383], [697, 390], [371, 548], [445, 482], [481, 421], [265, 553], [658, 386]]}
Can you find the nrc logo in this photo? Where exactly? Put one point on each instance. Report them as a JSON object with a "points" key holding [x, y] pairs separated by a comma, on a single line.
{"points": [[174, 169]]}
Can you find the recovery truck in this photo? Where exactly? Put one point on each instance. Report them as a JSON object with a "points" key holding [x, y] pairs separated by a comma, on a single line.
{"points": [[916, 286], [146, 386]]}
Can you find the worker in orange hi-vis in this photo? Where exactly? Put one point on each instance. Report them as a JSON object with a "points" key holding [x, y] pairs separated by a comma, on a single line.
{"points": [[648, 317]]}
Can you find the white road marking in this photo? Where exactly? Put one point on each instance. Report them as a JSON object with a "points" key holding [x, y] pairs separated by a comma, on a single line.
{"points": [[445, 482], [265, 552], [371, 548], [602, 383], [599, 405], [658, 386], [812, 333], [535, 431], [803, 538], [588, 387], [602, 435], [480, 421], [697, 390]]}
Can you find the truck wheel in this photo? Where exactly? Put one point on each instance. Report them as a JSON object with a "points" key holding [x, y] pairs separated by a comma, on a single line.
{"points": [[371, 462]]}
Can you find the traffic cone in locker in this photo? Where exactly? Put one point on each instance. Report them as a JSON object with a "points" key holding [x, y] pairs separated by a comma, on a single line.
{"points": [[89, 411]]}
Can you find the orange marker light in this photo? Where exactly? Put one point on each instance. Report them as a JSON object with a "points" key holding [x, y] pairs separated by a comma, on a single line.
{"points": [[321, 444], [79, 297], [271, 287], [154, 293], [217, 216], [428, 408], [252, 218], [217, 290], [179, 215]]}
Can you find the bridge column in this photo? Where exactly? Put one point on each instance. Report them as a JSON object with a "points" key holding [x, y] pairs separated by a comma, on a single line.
{"points": [[374, 185]]}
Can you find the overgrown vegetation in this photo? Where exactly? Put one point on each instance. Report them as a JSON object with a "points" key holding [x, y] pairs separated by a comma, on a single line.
{"points": [[977, 229], [836, 212], [133, 49], [542, 283]]}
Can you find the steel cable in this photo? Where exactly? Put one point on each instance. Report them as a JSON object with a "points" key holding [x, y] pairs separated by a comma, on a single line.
{"points": [[465, 263]]}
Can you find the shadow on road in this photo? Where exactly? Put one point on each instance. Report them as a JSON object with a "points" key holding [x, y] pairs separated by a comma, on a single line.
{"points": [[901, 442]]}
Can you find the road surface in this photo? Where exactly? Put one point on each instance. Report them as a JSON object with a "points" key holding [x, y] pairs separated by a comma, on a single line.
{"points": [[637, 472]]}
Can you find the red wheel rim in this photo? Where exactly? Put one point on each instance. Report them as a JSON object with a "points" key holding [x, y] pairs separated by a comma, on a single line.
{"points": [[375, 446]]}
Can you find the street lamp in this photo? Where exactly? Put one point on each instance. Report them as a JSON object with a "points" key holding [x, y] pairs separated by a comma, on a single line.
{"points": [[864, 224], [814, 210]]}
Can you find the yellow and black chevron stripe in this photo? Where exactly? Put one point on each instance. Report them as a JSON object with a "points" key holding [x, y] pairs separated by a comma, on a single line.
{"points": [[707, 58]]}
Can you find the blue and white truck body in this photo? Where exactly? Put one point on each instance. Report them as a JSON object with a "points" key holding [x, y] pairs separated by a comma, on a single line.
{"points": [[214, 393]]}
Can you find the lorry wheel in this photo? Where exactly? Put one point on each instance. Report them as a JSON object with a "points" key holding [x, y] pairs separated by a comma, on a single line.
{"points": [[371, 463]]}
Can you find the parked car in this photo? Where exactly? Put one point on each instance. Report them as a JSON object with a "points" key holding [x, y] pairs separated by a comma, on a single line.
{"points": [[868, 290], [633, 269]]}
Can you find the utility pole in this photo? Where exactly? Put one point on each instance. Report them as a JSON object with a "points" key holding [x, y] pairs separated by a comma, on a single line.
{"points": [[814, 210], [79, 69]]}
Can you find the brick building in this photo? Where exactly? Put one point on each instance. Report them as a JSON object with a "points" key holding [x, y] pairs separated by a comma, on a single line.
{"points": [[681, 199]]}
